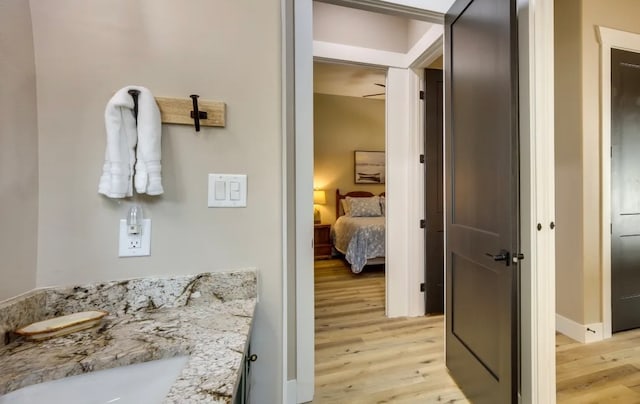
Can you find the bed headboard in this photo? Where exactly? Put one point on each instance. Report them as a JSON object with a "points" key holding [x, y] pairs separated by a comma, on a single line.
{"points": [[353, 194]]}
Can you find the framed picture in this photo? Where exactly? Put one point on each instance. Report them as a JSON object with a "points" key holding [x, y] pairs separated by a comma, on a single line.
{"points": [[369, 167]]}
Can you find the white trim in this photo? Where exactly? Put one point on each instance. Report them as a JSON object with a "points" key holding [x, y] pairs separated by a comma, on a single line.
{"points": [[356, 54], [543, 124], [303, 76], [290, 392], [416, 180], [420, 12], [286, 115], [433, 52], [397, 187], [431, 41], [584, 333], [570, 328], [609, 38], [594, 332]]}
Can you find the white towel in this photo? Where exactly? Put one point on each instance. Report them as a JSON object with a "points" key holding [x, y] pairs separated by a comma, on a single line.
{"points": [[122, 137]]}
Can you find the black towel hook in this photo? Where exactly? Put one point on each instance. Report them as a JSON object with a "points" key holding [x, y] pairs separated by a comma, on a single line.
{"points": [[196, 114], [134, 94]]}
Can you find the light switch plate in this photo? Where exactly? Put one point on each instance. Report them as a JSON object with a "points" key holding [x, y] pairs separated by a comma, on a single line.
{"points": [[234, 197], [135, 245]]}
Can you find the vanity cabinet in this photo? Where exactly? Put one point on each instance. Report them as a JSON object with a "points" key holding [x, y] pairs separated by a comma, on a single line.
{"points": [[243, 386]]}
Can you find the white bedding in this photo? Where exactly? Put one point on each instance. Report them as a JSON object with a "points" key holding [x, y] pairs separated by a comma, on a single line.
{"points": [[359, 239]]}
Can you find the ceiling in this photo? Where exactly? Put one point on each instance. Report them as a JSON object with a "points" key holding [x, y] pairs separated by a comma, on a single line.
{"points": [[347, 80]]}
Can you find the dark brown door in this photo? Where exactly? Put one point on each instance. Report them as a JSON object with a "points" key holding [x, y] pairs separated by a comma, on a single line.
{"points": [[434, 201], [482, 199], [625, 190]]}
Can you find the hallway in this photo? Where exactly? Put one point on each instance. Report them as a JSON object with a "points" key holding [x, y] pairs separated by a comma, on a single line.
{"points": [[364, 357]]}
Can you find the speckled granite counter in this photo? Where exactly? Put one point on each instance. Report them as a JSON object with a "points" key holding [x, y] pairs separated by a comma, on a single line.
{"points": [[207, 316]]}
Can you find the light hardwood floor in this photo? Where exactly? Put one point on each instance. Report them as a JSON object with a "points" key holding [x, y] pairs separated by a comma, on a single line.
{"points": [[364, 357], [600, 372]]}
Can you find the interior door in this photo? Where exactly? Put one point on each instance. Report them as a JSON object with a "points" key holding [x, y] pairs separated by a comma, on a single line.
{"points": [[625, 190], [434, 195], [482, 199]]}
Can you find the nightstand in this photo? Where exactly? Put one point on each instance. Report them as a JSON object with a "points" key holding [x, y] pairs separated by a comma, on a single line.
{"points": [[322, 241]]}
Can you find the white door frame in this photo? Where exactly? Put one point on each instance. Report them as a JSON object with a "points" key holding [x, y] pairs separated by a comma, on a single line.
{"points": [[538, 296], [609, 39], [538, 334]]}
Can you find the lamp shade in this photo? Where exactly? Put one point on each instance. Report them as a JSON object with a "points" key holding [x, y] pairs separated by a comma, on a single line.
{"points": [[319, 197]]}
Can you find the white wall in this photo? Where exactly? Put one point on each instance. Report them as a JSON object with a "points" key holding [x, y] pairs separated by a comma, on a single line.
{"points": [[18, 151], [84, 52]]}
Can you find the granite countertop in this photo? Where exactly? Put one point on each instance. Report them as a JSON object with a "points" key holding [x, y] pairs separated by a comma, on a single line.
{"points": [[206, 316]]}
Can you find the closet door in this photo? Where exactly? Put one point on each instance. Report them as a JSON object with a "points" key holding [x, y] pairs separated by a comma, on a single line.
{"points": [[625, 190]]}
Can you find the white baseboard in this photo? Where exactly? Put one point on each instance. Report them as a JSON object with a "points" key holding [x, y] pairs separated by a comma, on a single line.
{"points": [[584, 333], [291, 392]]}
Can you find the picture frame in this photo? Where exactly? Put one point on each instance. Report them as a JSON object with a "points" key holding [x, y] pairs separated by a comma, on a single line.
{"points": [[369, 167]]}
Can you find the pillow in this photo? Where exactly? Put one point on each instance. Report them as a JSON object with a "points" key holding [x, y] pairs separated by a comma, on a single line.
{"points": [[383, 206], [345, 207], [361, 207]]}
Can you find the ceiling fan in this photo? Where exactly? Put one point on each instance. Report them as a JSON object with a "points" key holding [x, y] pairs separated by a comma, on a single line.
{"points": [[374, 95]]}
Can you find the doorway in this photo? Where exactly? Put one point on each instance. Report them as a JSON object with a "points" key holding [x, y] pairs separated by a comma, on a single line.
{"points": [[610, 41], [538, 306], [349, 138], [404, 172], [625, 210]]}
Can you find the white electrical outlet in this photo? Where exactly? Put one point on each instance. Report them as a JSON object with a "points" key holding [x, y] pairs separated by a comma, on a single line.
{"points": [[134, 242], [135, 245]]}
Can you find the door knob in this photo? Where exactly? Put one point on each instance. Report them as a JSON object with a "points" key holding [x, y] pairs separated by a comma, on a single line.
{"points": [[503, 255]]}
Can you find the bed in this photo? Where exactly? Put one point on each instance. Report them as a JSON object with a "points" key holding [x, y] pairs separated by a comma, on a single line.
{"points": [[359, 232]]}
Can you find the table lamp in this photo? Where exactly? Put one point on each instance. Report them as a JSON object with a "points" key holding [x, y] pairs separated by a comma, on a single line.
{"points": [[319, 198]]}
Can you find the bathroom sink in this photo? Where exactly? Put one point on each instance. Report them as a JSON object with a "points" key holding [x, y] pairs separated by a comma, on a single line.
{"points": [[142, 383]]}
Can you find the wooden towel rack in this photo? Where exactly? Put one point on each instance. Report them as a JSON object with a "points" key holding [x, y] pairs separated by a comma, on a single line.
{"points": [[180, 111]]}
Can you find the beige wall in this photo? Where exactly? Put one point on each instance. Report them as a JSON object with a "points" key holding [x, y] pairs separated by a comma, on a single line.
{"points": [[578, 149], [18, 151], [350, 26], [570, 291], [415, 30], [341, 126], [87, 50]]}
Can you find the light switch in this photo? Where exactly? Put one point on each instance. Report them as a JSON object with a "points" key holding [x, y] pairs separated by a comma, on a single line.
{"points": [[227, 190], [220, 190], [235, 191]]}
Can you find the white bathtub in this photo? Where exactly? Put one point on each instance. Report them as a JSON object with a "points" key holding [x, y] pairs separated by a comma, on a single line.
{"points": [[142, 383]]}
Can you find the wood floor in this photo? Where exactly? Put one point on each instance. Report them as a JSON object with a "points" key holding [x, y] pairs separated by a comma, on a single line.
{"points": [[364, 357], [600, 372]]}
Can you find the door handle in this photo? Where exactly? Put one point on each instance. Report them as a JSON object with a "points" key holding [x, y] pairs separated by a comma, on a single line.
{"points": [[503, 255]]}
